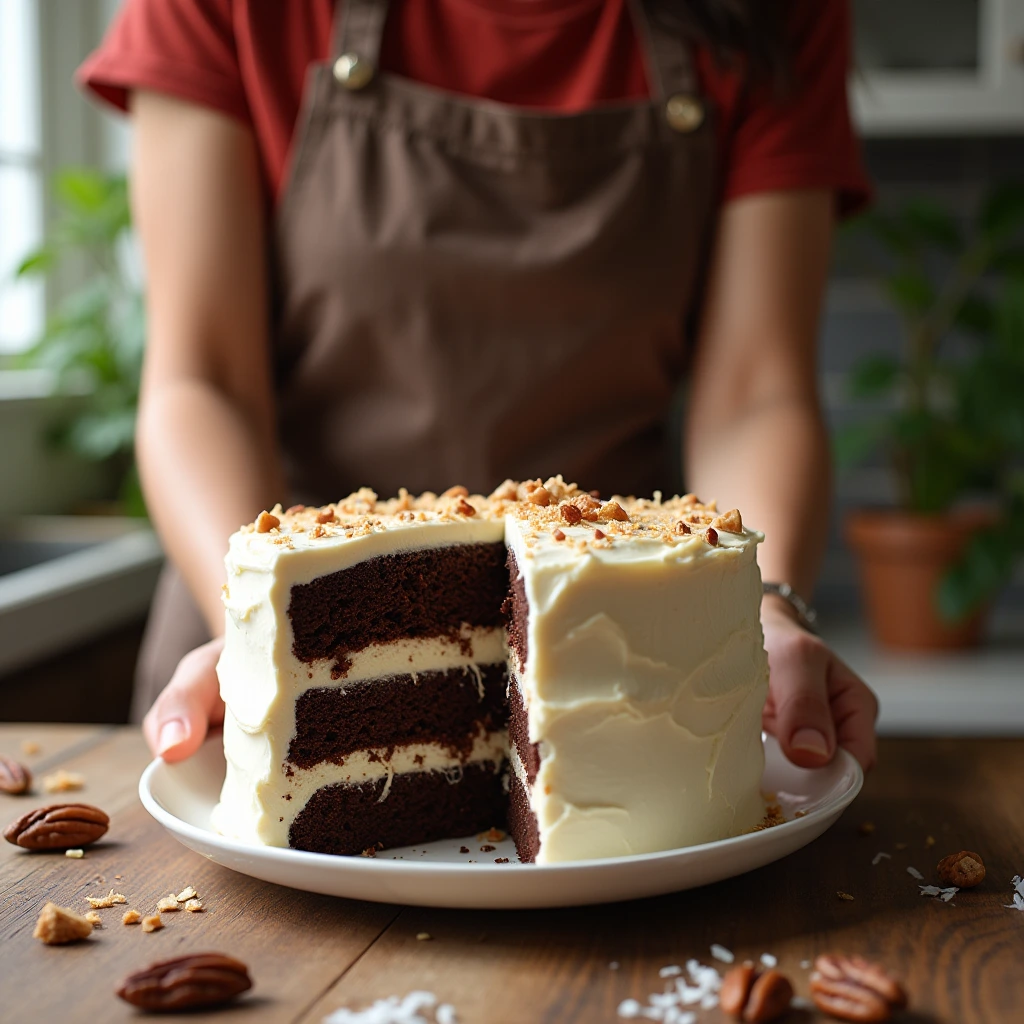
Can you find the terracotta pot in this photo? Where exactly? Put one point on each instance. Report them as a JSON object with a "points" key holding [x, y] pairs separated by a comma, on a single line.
{"points": [[903, 558]]}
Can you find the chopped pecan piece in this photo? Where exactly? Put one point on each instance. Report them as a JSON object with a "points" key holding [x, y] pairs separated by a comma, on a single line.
{"points": [[711, 536], [267, 521], [753, 996], [613, 510], [730, 522], [851, 988], [558, 535], [964, 870], [58, 827], [186, 983], [325, 515], [570, 513], [57, 926], [15, 778], [464, 508]]}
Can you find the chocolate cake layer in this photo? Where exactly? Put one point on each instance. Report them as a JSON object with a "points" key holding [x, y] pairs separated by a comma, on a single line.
{"points": [[411, 595], [522, 822], [419, 808], [519, 732], [516, 610], [430, 707]]}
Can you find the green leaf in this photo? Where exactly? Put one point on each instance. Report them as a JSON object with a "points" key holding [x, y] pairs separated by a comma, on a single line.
{"points": [[102, 436], [38, 262], [911, 291], [976, 315], [81, 189], [1002, 211], [875, 375], [855, 443], [931, 223]]}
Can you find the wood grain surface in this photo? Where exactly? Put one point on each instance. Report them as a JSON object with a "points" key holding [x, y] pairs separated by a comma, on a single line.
{"points": [[962, 962]]}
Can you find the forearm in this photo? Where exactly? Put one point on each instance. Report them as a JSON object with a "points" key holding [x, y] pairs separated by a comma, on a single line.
{"points": [[205, 470], [772, 463]]}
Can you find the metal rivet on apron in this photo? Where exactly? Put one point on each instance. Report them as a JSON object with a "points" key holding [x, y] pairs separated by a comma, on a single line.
{"points": [[352, 71], [684, 113]]}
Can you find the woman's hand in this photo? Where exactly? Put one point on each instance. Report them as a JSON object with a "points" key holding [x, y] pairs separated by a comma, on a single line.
{"points": [[189, 704], [814, 701]]}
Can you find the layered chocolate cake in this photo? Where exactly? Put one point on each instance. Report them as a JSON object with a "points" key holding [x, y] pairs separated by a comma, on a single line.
{"points": [[401, 671]]}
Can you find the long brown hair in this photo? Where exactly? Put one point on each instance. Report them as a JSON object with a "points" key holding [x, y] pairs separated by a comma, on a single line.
{"points": [[747, 33]]}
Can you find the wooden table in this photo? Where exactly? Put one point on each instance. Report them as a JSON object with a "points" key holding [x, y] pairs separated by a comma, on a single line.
{"points": [[962, 962]]}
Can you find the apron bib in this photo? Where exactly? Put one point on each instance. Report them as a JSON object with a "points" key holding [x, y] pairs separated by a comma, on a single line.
{"points": [[466, 291]]}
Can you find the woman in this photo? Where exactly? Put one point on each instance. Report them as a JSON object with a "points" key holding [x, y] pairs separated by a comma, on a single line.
{"points": [[420, 243]]}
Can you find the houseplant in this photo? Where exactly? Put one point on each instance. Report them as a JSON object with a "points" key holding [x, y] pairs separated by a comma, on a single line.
{"points": [[947, 417], [94, 340]]}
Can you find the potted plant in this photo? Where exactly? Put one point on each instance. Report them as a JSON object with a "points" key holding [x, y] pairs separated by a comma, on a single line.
{"points": [[93, 343], [947, 417]]}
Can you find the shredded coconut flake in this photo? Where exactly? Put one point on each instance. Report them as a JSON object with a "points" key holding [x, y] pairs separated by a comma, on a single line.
{"points": [[1018, 894], [769, 961], [915, 874], [879, 857], [670, 1006], [721, 953], [670, 972], [629, 1008], [416, 1008]]}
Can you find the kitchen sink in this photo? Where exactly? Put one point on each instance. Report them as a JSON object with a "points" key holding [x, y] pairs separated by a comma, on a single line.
{"points": [[67, 579]]}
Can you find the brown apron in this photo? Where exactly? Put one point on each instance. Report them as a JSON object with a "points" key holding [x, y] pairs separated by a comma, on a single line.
{"points": [[467, 291]]}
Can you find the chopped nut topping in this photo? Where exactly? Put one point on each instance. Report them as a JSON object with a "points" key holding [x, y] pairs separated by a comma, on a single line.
{"points": [[599, 535], [188, 893], [57, 926], [75, 855], [558, 535], [265, 522], [507, 491], [63, 782], [131, 917], [294, 509], [613, 510], [325, 515], [456, 492], [538, 496], [464, 508], [729, 521], [711, 536], [30, 747], [93, 917], [570, 513], [100, 902], [681, 527], [167, 903], [152, 923]]}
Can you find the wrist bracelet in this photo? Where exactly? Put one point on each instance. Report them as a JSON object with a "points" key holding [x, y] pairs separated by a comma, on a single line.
{"points": [[806, 615]]}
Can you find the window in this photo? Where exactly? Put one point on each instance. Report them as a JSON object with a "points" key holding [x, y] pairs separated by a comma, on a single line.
{"points": [[21, 172]]}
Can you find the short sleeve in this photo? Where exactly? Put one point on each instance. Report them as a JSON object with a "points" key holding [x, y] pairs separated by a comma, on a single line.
{"points": [[801, 136], [185, 48]]}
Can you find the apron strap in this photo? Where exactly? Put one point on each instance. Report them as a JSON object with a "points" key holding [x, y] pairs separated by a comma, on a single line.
{"points": [[358, 28], [667, 55]]}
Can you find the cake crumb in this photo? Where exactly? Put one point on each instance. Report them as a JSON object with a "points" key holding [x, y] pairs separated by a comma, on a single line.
{"points": [[74, 854], [30, 748], [501, 860], [194, 906], [186, 894], [62, 781], [844, 895], [93, 917], [100, 902], [131, 917], [167, 903], [152, 923], [423, 936], [866, 828], [58, 926], [463, 849], [487, 848]]}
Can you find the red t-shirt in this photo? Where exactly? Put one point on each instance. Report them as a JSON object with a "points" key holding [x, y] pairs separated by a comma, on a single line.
{"points": [[248, 59]]}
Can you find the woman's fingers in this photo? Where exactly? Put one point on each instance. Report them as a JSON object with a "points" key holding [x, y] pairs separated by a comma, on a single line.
{"points": [[190, 703], [854, 710], [800, 713]]}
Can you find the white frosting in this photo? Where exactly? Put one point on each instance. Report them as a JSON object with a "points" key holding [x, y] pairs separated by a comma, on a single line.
{"points": [[644, 683]]}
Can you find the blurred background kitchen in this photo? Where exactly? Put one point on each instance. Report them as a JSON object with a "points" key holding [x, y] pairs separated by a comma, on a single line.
{"points": [[922, 373]]}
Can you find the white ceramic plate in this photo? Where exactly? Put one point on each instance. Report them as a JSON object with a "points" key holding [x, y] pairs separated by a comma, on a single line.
{"points": [[181, 797]]}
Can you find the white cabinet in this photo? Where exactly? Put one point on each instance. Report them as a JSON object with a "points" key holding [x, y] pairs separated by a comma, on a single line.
{"points": [[938, 66]]}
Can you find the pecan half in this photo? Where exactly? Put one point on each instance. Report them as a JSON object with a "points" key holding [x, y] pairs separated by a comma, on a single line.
{"points": [[754, 997], [851, 988], [58, 827], [186, 983], [964, 870], [14, 777]]}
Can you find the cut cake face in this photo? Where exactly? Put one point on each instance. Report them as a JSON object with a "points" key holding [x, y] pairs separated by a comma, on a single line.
{"points": [[368, 684]]}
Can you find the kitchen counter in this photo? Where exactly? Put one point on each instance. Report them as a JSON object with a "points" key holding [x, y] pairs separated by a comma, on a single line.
{"points": [[310, 955]]}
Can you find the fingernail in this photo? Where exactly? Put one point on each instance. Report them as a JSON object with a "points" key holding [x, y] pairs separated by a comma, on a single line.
{"points": [[171, 734], [810, 740]]}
